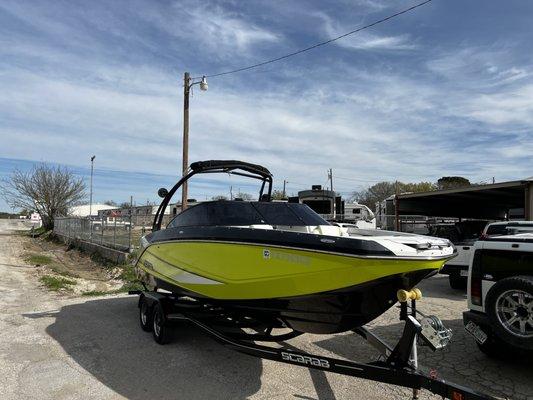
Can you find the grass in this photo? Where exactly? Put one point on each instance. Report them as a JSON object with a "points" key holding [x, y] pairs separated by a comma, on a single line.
{"points": [[55, 283], [96, 293], [37, 232], [127, 273], [61, 272], [38, 259]]}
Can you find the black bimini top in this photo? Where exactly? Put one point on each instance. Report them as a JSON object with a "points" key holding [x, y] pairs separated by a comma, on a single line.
{"points": [[229, 221]]}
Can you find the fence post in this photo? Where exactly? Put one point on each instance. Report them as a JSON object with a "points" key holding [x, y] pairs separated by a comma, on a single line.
{"points": [[115, 234]]}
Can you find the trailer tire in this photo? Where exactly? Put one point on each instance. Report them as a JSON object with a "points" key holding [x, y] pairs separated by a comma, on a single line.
{"points": [[161, 328], [504, 296], [145, 315], [457, 281]]}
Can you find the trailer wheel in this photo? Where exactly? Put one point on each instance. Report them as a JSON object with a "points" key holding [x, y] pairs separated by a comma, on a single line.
{"points": [[145, 315], [457, 281], [509, 306], [161, 329]]}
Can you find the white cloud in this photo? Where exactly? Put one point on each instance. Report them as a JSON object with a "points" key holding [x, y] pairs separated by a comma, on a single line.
{"points": [[514, 106], [479, 67], [211, 27], [374, 124], [364, 40]]}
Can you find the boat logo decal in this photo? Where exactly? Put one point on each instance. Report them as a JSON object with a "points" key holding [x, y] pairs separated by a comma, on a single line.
{"points": [[306, 360], [327, 240], [287, 257]]}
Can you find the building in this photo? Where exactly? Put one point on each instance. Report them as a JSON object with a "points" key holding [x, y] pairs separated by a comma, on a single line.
{"points": [[85, 209], [497, 201]]}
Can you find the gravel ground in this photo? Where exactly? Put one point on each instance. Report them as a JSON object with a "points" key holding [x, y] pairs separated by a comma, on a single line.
{"points": [[58, 347]]}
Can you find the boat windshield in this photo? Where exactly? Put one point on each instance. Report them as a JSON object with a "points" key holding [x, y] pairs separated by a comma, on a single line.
{"points": [[241, 213]]}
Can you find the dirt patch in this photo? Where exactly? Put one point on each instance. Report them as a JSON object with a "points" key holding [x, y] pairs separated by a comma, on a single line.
{"points": [[57, 262]]}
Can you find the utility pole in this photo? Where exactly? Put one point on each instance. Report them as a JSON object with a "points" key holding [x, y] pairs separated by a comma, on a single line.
{"points": [[91, 199], [185, 144], [188, 82], [231, 192], [91, 188], [330, 176], [284, 183]]}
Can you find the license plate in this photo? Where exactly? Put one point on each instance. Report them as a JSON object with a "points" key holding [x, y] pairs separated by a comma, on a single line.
{"points": [[463, 272], [476, 331]]}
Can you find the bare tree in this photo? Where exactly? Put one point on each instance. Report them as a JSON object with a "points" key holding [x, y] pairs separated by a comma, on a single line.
{"points": [[278, 195], [381, 190], [244, 196], [49, 190]]}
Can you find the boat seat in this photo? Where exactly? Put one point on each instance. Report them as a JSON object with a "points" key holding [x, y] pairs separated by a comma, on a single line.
{"points": [[329, 230]]}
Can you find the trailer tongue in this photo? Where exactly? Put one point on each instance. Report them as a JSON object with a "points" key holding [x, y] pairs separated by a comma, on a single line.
{"points": [[397, 365]]}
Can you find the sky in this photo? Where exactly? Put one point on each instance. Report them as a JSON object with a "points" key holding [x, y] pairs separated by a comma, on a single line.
{"points": [[444, 90]]}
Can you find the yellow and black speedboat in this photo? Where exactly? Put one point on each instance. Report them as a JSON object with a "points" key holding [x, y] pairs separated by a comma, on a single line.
{"points": [[281, 262]]}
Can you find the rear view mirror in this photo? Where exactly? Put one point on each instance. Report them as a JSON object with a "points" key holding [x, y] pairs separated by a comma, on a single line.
{"points": [[162, 192]]}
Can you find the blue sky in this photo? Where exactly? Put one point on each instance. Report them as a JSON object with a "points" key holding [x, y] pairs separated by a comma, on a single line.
{"points": [[445, 90]]}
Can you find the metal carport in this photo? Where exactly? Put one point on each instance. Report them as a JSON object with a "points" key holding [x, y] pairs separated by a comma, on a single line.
{"points": [[491, 201]]}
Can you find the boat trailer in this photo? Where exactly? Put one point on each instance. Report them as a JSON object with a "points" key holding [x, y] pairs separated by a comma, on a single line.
{"points": [[396, 365]]}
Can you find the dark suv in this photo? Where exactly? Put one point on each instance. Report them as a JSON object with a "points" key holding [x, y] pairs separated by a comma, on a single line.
{"points": [[463, 235]]}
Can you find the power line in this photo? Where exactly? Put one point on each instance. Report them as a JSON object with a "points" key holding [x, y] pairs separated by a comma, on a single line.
{"points": [[354, 179], [319, 44]]}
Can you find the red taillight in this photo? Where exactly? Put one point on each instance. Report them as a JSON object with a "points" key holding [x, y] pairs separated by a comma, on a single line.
{"points": [[475, 291], [475, 280]]}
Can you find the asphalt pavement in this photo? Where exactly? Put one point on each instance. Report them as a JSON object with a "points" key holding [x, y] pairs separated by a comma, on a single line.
{"points": [[57, 347]]}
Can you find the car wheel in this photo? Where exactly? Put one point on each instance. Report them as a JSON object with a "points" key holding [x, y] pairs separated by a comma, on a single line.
{"points": [[509, 306], [457, 281]]}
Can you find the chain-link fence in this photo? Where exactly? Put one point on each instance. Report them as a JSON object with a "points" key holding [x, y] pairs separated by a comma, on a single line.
{"points": [[114, 232]]}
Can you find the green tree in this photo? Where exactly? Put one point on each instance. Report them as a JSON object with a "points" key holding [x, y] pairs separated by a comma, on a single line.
{"points": [[381, 190], [452, 182]]}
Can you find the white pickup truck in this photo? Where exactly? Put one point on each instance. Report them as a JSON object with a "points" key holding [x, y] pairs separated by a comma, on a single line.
{"points": [[500, 294]]}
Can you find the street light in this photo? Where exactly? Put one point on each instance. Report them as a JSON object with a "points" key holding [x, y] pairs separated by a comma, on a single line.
{"points": [[188, 83]]}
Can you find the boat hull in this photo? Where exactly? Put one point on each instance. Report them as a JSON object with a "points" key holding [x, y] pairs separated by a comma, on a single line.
{"points": [[309, 291], [244, 271]]}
